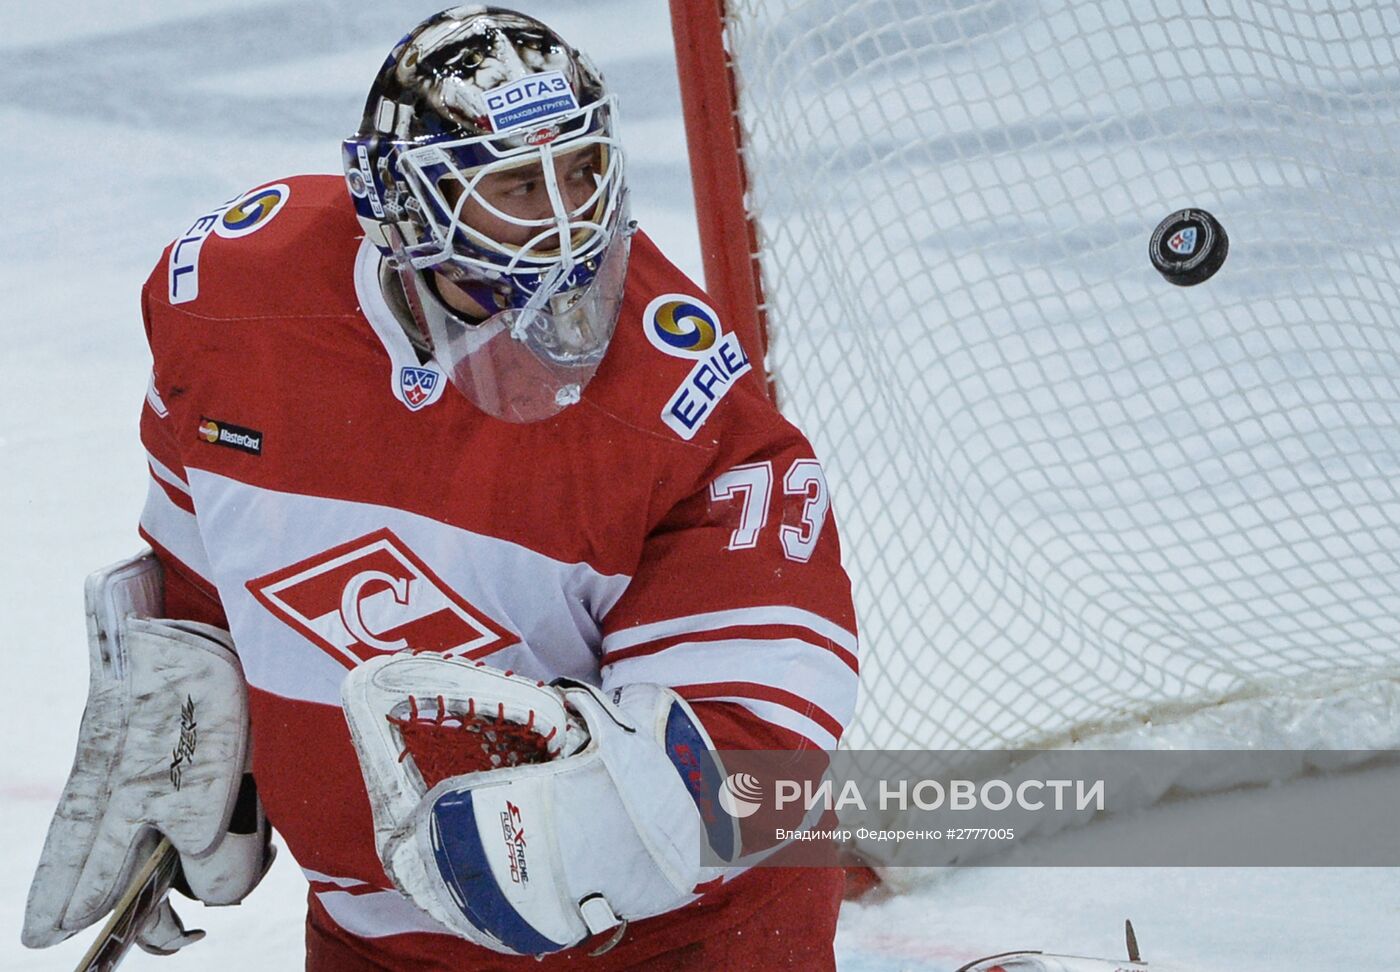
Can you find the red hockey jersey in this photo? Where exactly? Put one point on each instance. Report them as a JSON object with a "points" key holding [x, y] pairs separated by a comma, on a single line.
{"points": [[323, 490]]}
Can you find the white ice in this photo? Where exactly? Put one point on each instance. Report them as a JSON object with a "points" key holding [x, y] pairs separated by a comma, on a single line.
{"points": [[123, 122]]}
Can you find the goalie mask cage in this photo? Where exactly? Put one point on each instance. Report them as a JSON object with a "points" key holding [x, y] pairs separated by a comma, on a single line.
{"points": [[1079, 504]]}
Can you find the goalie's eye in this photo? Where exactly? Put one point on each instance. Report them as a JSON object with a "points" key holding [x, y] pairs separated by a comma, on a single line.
{"points": [[521, 189]]}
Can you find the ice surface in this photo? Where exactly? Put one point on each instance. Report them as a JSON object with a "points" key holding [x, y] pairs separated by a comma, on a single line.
{"points": [[127, 120]]}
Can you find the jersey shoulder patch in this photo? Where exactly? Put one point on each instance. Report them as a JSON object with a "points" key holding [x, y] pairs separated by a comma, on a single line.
{"points": [[673, 360], [260, 241], [240, 216], [684, 326]]}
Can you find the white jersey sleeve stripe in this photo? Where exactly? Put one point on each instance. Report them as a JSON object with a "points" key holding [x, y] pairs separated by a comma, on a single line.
{"points": [[781, 716], [764, 633], [314, 877], [694, 623], [789, 666], [163, 472], [376, 915], [172, 528]]}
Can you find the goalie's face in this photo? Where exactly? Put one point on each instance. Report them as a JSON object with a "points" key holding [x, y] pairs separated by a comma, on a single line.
{"points": [[487, 163], [534, 255], [506, 210], [526, 205]]}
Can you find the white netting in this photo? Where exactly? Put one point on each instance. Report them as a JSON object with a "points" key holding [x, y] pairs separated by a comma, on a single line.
{"points": [[1072, 494]]}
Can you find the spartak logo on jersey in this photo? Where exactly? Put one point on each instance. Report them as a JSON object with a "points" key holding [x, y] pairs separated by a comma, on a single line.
{"points": [[374, 595]]}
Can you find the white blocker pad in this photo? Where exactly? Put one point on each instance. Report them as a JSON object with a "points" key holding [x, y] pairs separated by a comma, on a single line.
{"points": [[533, 859], [161, 750]]}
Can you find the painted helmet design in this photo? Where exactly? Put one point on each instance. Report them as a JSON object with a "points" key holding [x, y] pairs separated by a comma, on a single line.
{"points": [[487, 153]]}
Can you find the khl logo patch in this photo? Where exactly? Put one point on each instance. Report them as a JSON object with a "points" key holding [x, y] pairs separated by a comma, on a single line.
{"points": [[374, 595], [1183, 243], [417, 385]]}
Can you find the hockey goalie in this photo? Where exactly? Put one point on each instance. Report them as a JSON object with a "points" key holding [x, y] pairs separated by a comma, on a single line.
{"points": [[473, 529]]}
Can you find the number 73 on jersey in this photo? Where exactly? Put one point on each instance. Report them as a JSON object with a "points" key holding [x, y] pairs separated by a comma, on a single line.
{"points": [[751, 486]]}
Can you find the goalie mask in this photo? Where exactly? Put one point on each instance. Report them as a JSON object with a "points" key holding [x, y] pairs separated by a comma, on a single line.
{"points": [[487, 155]]}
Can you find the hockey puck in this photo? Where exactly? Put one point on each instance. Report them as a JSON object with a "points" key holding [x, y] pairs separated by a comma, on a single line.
{"points": [[1188, 247]]}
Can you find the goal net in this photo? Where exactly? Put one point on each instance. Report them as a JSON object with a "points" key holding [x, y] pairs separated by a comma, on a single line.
{"points": [[1075, 500]]}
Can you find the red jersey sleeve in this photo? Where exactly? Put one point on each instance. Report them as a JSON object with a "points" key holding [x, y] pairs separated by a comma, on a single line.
{"points": [[168, 520], [740, 603]]}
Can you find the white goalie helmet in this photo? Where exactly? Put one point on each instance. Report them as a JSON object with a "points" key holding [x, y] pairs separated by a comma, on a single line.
{"points": [[487, 154]]}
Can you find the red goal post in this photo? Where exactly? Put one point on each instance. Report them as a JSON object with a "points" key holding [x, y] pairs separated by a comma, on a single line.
{"points": [[728, 235]]}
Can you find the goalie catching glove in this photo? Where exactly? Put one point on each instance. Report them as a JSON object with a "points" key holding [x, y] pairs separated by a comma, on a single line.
{"points": [[162, 749], [526, 817]]}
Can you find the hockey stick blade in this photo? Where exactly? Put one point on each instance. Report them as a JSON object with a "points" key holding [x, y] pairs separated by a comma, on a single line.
{"points": [[148, 888]]}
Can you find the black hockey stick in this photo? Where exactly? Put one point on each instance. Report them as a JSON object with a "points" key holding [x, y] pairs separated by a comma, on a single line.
{"points": [[148, 888]]}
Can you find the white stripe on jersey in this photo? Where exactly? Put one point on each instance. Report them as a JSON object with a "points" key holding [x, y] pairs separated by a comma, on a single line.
{"points": [[370, 912], [786, 665], [695, 623], [167, 475], [377, 913], [317, 877], [782, 716], [176, 531]]}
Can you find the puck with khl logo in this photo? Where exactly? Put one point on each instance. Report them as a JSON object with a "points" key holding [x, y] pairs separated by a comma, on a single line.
{"points": [[1188, 247]]}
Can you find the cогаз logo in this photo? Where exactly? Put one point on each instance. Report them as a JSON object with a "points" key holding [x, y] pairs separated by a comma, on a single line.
{"points": [[529, 100]]}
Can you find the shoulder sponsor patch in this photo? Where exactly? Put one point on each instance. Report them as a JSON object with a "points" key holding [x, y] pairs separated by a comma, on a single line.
{"points": [[239, 216], [529, 101], [252, 211], [237, 437], [686, 327]]}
